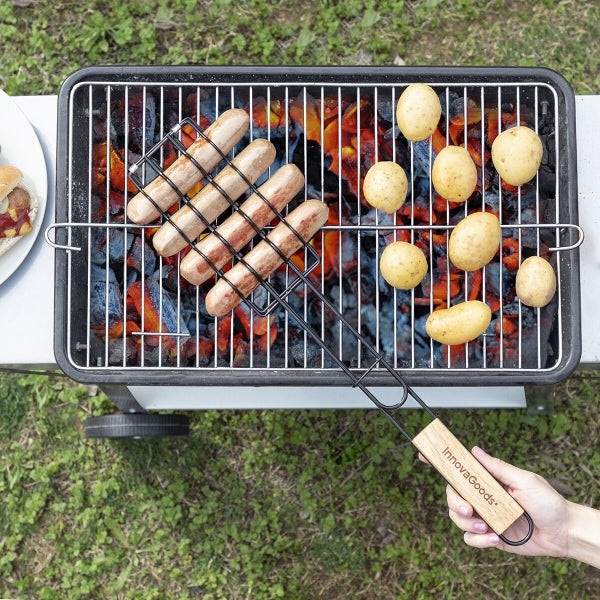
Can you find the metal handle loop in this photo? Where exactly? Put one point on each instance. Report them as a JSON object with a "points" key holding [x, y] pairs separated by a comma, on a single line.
{"points": [[572, 246], [53, 243], [527, 535]]}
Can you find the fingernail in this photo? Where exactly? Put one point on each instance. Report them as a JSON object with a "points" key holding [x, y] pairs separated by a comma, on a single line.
{"points": [[478, 450], [464, 511], [494, 539], [480, 527]]}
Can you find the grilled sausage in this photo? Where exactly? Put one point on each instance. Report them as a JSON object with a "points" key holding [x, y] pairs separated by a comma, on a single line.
{"points": [[306, 220], [18, 208], [253, 161], [225, 133], [279, 189]]}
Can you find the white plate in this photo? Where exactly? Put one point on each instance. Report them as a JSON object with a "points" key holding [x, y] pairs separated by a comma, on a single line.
{"points": [[21, 148]]}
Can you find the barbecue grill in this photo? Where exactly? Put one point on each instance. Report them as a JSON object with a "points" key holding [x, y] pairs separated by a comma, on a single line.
{"points": [[333, 123]]}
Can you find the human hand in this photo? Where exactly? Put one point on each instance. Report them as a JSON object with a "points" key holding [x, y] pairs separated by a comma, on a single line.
{"points": [[547, 508]]}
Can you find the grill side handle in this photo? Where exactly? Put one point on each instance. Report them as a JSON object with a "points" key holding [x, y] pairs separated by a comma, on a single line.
{"points": [[470, 479]]}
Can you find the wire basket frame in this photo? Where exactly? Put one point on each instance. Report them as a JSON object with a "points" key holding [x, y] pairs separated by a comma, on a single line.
{"points": [[148, 160]]}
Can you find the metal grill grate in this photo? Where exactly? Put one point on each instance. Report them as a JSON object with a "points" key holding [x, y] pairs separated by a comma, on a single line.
{"points": [[332, 128]]}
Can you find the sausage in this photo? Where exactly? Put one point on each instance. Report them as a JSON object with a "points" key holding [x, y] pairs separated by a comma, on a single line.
{"points": [[279, 189], [253, 161], [306, 220], [18, 208], [225, 133]]}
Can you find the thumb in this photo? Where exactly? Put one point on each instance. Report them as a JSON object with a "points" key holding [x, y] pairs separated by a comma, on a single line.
{"points": [[505, 473]]}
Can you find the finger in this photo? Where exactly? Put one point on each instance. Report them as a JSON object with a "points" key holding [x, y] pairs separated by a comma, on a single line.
{"points": [[457, 504], [461, 513], [486, 540], [423, 459], [469, 524], [505, 473]]}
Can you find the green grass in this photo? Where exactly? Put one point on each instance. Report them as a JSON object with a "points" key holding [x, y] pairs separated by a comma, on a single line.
{"points": [[267, 504], [55, 38]]}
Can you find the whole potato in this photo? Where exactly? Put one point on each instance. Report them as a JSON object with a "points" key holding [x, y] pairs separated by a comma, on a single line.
{"points": [[517, 154], [474, 241], [403, 265], [418, 112], [536, 282], [460, 323], [454, 174], [385, 186]]}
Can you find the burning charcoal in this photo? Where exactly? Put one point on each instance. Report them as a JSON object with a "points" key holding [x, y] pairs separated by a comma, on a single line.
{"points": [[200, 102], [368, 289], [149, 169], [493, 281], [349, 300], [369, 317], [372, 217], [492, 200], [269, 121], [100, 130], [392, 139], [457, 109], [106, 301], [405, 348], [190, 315], [119, 356], [308, 160], [170, 279], [453, 99], [285, 149], [423, 157], [155, 355], [341, 336], [110, 159], [386, 108], [309, 354], [419, 327], [157, 307], [117, 243], [140, 251], [131, 277], [529, 236], [140, 118], [260, 297], [548, 317], [98, 252]]}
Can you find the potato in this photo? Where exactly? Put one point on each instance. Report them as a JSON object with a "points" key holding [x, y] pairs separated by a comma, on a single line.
{"points": [[460, 323], [454, 174], [474, 241], [418, 112], [536, 282], [517, 154], [403, 265], [385, 186]]}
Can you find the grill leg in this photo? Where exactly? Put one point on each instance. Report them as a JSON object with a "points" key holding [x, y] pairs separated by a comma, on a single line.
{"points": [[540, 399], [122, 398]]}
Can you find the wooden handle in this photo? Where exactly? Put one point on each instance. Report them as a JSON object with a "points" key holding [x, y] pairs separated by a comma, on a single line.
{"points": [[468, 476]]}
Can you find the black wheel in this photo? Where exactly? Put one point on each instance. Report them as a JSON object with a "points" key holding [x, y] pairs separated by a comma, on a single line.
{"points": [[136, 426]]}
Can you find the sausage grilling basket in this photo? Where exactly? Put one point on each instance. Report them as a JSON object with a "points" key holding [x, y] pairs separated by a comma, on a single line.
{"points": [[125, 316]]}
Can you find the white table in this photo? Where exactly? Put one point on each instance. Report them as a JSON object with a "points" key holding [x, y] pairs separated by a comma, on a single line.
{"points": [[29, 341]]}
